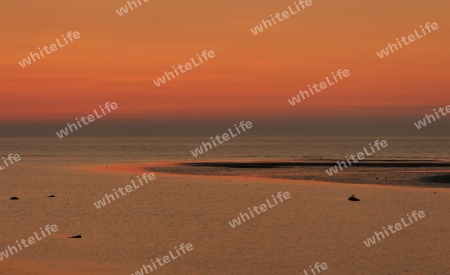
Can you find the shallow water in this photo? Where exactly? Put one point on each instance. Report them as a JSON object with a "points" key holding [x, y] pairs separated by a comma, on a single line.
{"points": [[316, 224]]}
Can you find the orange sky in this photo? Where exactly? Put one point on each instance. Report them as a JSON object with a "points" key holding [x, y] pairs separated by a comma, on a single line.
{"points": [[117, 59]]}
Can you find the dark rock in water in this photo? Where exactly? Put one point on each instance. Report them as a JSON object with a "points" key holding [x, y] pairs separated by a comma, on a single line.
{"points": [[353, 198], [76, 237], [51, 196], [14, 198]]}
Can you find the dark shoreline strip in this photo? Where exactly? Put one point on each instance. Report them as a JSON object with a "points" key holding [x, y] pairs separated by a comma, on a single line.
{"points": [[264, 165]]}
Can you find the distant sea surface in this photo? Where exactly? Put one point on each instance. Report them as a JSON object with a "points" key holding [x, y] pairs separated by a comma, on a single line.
{"points": [[321, 150], [125, 150]]}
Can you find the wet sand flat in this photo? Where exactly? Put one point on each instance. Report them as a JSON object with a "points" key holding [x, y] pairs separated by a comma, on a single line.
{"points": [[317, 224]]}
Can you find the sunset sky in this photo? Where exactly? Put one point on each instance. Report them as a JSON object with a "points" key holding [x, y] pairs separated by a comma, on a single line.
{"points": [[251, 77]]}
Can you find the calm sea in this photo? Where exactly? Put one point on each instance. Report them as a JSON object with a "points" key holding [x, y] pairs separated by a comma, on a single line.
{"points": [[147, 223], [128, 150]]}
